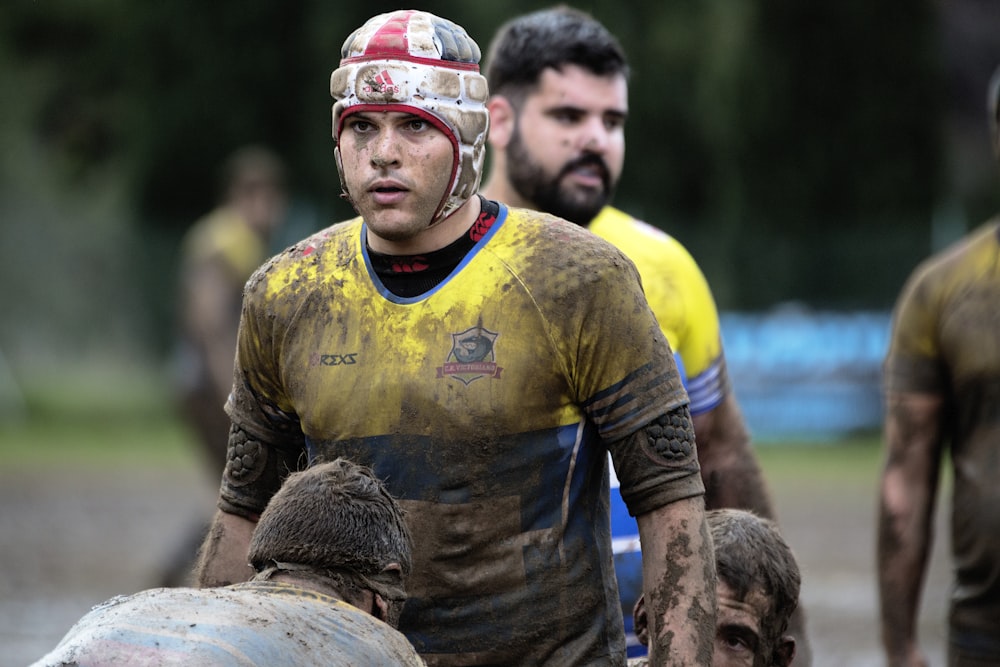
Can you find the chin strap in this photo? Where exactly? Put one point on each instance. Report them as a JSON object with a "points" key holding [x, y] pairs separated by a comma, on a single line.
{"points": [[388, 583], [344, 194]]}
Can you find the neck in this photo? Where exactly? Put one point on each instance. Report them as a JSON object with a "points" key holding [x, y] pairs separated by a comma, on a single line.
{"points": [[498, 188], [316, 584]]}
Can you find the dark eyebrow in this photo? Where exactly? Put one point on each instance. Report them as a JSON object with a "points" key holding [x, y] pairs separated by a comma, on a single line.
{"points": [[565, 108], [579, 111]]}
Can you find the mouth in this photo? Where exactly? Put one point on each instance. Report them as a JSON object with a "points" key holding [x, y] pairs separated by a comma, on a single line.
{"points": [[588, 171], [386, 193], [386, 187]]}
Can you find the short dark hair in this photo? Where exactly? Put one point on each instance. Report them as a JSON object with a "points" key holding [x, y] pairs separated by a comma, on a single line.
{"points": [[334, 516], [750, 552], [550, 38]]}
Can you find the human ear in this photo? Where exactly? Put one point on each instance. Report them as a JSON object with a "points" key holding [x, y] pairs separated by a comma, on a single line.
{"points": [[502, 121], [784, 652], [380, 608]]}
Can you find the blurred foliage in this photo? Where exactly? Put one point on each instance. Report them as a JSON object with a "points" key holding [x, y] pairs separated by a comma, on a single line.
{"points": [[797, 148]]}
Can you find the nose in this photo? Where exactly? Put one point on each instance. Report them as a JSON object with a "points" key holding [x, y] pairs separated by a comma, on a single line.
{"points": [[595, 136], [384, 149]]}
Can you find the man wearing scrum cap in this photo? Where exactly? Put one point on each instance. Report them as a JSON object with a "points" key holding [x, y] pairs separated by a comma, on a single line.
{"points": [[483, 360]]}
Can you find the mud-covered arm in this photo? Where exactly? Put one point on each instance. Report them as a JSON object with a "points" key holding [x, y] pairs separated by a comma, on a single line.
{"points": [[223, 556], [917, 401], [662, 487], [254, 471], [732, 474], [678, 573], [913, 436]]}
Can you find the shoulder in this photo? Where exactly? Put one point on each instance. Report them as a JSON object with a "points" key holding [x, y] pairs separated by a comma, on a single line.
{"points": [[309, 260], [974, 255], [669, 272], [566, 244], [640, 240], [224, 235], [143, 604]]}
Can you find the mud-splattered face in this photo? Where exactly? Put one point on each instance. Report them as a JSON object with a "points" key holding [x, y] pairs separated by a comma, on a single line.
{"points": [[397, 167], [740, 632], [568, 147]]}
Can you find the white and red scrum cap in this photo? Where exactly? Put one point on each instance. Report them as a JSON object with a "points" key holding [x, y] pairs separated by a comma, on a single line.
{"points": [[417, 62]]}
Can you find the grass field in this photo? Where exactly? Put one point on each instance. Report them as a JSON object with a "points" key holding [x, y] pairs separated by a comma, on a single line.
{"points": [[93, 419]]}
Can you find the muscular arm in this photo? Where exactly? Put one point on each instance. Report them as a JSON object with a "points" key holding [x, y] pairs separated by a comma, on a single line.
{"points": [[663, 489], [678, 572], [729, 467], [223, 556], [908, 490]]}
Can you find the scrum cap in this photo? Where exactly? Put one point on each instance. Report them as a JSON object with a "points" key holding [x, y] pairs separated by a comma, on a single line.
{"points": [[416, 62]]}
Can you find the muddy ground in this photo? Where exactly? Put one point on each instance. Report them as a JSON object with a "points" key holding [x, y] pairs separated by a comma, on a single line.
{"points": [[70, 541]]}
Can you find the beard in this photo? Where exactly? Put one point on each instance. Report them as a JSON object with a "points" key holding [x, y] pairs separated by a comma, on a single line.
{"points": [[578, 205]]}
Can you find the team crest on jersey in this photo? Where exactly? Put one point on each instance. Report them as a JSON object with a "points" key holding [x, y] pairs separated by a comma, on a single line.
{"points": [[472, 356]]}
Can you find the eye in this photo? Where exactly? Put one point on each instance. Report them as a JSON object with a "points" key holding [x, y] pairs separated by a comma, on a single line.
{"points": [[417, 125], [614, 122], [356, 124], [734, 642], [739, 643], [566, 116]]}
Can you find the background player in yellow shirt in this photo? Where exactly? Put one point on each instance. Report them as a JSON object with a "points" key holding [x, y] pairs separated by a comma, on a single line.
{"points": [[218, 253], [559, 86]]}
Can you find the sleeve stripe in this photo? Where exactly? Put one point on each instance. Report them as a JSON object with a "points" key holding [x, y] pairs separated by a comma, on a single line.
{"points": [[708, 389]]}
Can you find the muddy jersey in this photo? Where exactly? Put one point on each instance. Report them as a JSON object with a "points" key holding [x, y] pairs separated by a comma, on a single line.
{"points": [[262, 624], [685, 308], [946, 341], [487, 405], [681, 300]]}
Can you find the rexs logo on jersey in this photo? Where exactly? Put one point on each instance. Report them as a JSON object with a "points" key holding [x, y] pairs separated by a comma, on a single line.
{"points": [[472, 356], [348, 359]]}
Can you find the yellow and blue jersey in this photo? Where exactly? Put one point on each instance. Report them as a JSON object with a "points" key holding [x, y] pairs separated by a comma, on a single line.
{"points": [[488, 406]]}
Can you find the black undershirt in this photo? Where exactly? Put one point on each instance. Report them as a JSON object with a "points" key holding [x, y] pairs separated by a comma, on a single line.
{"points": [[413, 275]]}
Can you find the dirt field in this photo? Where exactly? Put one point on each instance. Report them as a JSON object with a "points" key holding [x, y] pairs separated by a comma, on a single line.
{"points": [[69, 541]]}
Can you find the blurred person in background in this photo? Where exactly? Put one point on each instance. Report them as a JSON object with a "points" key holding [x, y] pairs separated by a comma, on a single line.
{"points": [[218, 254], [559, 101], [331, 554], [484, 361], [942, 402], [757, 591]]}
